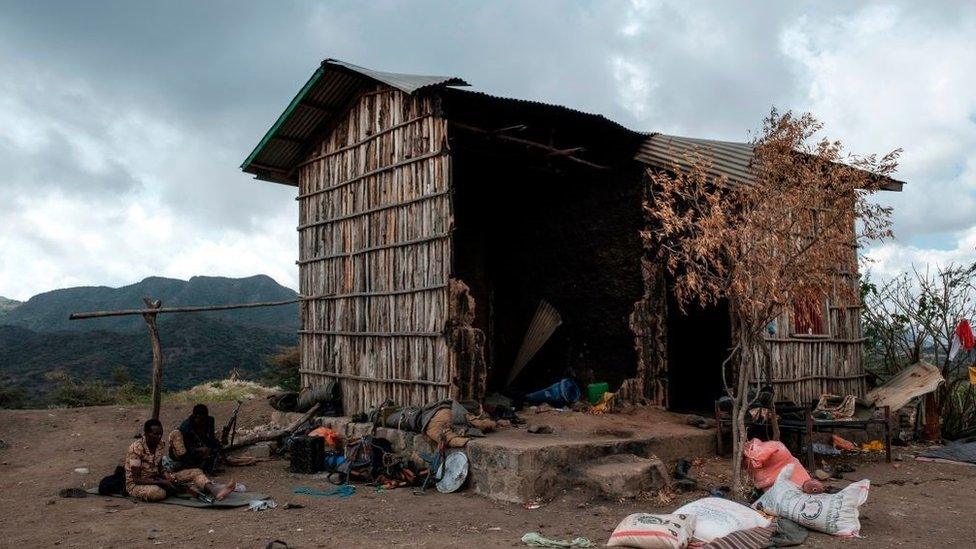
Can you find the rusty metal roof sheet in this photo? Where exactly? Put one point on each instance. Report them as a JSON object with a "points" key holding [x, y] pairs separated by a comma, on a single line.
{"points": [[916, 380], [730, 159], [333, 84]]}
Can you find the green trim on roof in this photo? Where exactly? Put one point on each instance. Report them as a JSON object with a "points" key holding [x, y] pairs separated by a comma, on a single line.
{"points": [[284, 116]]}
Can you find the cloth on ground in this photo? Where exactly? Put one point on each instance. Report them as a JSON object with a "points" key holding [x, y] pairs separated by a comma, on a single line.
{"points": [[788, 533], [534, 539], [752, 538], [234, 499], [953, 451]]}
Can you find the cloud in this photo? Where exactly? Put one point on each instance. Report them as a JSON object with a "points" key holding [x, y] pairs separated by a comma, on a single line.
{"points": [[125, 122]]}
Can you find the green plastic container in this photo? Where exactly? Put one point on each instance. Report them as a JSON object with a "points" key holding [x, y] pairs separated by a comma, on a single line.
{"points": [[594, 391]]}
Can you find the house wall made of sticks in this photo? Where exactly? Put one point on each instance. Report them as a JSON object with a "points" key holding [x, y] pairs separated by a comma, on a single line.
{"points": [[375, 253]]}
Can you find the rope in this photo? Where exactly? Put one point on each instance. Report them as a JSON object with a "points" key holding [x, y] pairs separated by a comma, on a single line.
{"points": [[343, 491]]}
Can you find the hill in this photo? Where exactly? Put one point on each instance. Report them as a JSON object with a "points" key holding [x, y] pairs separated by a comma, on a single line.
{"points": [[7, 305], [48, 312], [195, 349]]}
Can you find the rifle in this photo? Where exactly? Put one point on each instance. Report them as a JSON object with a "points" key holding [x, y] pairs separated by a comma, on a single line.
{"points": [[189, 488], [230, 430]]}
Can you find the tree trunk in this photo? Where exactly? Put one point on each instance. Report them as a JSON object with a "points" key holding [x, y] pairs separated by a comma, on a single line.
{"points": [[157, 350], [768, 363]]}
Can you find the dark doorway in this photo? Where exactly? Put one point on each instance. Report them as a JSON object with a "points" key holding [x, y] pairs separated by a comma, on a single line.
{"points": [[698, 341]]}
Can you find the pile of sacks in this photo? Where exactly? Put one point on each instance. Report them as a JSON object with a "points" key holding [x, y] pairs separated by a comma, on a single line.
{"points": [[771, 522]]}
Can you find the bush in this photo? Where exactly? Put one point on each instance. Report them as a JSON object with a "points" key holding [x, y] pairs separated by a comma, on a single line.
{"points": [[13, 398], [282, 369], [71, 393]]}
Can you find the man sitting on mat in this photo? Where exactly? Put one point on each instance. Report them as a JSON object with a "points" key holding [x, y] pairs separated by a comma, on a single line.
{"points": [[145, 477], [195, 444]]}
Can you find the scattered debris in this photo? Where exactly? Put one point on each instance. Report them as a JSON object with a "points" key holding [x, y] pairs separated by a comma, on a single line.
{"points": [[841, 443], [683, 482], [532, 505], [82, 470], [73, 493], [261, 505], [540, 429], [701, 422], [562, 393], [875, 446], [292, 506], [534, 539]]}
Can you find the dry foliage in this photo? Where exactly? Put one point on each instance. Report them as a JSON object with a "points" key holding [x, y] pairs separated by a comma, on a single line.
{"points": [[789, 235]]}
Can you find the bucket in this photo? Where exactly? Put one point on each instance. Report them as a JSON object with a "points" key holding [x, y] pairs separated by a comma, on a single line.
{"points": [[594, 391], [561, 393]]}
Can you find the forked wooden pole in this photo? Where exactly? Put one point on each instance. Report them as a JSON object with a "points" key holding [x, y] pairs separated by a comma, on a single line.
{"points": [[157, 351]]}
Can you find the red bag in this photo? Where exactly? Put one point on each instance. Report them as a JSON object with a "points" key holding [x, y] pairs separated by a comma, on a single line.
{"points": [[766, 459], [332, 438]]}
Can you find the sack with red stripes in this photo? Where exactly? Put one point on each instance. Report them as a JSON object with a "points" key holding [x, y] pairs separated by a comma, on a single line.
{"points": [[646, 531]]}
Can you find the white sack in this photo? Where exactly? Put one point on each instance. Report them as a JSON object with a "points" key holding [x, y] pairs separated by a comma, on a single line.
{"points": [[646, 531], [835, 514], [718, 517]]}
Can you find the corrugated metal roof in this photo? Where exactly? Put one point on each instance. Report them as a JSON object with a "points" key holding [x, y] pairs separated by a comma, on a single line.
{"points": [[333, 84], [729, 159]]}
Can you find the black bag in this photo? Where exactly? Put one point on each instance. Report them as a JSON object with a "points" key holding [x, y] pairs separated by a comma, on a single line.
{"points": [[307, 454], [113, 484]]}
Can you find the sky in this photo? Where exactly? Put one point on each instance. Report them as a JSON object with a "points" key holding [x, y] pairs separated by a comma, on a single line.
{"points": [[123, 124]]}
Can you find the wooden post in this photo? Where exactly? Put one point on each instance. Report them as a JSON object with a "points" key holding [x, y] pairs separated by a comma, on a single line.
{"points": [[157, 351], [932, 429]]}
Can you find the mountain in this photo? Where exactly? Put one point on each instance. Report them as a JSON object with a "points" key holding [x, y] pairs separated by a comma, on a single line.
{"points": [[36, 337], [195, 349], [49, 311], [7, 305]]}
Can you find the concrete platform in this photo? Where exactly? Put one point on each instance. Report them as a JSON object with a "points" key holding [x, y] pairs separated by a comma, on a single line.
{"points": [[514, 465]]}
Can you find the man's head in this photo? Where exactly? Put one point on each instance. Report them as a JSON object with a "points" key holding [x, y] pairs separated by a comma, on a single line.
{"points": [[200, 416], [152, 430]]}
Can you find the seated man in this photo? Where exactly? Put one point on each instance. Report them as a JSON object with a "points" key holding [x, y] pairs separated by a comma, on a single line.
{"points": [[195, 444], [145, 477]]}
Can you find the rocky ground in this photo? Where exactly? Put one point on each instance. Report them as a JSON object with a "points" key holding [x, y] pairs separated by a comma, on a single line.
{"points": [[911, 504]]}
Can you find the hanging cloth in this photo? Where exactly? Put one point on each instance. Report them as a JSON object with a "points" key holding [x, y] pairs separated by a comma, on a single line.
{"points": [[962, 340]]}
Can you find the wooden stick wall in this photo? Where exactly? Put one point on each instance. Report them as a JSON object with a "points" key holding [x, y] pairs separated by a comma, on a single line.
{"points": [[375, 253], [804, 366]]}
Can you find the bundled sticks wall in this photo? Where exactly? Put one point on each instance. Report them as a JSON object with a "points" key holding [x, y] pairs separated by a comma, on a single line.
{"points": [[375, 253], [804, 366]]}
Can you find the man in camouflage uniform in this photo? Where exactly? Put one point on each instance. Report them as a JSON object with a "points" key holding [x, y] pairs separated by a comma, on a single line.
{"points": [[145, 477]]}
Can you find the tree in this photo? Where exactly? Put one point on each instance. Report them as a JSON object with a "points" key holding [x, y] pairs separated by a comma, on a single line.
{"points": [[913, 317], [787, 236], [281, 369]]}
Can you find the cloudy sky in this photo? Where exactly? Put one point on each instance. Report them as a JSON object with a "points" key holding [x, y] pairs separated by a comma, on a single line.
{"points": [[122, 124]]}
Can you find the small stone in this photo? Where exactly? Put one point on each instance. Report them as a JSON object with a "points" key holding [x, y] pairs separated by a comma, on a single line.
{"points": [[152, 534], [540, 429]]}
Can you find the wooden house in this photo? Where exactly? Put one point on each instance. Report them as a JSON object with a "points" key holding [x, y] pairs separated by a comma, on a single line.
{"points": [[433, 220]]}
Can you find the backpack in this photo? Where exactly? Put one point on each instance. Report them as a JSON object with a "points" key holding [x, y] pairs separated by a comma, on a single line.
{"points": [[113, 484], [364, 460]]}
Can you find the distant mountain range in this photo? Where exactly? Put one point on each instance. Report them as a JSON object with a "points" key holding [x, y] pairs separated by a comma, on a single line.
{"points": [[36, 336]]}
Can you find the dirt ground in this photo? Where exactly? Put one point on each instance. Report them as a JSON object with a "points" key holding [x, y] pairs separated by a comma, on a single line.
{"points": [[911, 504]]}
